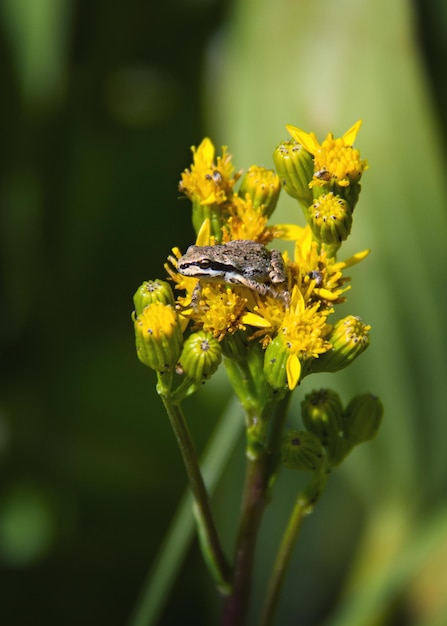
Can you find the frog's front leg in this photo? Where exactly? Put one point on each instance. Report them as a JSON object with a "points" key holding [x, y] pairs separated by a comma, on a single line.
{"points": [[278, 277], [277, 273], [196, 295]]}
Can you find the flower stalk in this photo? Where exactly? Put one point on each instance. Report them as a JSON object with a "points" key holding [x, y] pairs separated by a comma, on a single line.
{"points": [[304, 505], [260, 470], [268, 317], [208, 535]]}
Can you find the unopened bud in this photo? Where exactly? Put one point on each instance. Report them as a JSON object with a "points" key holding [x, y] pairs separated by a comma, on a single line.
{"points": [[362, 418], [201, 356], [295, 167], [275, 363], [158, 336], [322, 414], [349, 339], [263, 186], [330, 218], [152, 291], [301, 450]]}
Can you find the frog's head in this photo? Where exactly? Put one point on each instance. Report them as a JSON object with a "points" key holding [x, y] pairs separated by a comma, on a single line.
{"points": [[203, 262]]}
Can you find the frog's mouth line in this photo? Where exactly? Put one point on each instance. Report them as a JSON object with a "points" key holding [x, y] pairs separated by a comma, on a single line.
{"points": [[218, 268]]}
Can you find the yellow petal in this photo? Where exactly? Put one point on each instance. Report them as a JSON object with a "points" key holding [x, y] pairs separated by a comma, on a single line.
{"points": [[297, 303], [206, 151], [293, 370], [351, 134], [289, 232], [356, 258], [211, 199], [309, 141], [251, 319], [326, 294], [203, 236]]}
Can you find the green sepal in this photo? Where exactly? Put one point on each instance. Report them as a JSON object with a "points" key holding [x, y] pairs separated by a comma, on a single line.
{"points": [[214, 213], [236, 346], [275, 361], [350, 193], [248, 382]]}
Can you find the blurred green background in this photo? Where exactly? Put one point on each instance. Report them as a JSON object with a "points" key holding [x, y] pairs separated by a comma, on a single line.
{"points": [[100, 103]]}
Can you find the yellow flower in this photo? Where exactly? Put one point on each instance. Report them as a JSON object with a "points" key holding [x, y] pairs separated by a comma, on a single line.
{"points": [[158, 336], [335, 160], [319, 276], [304, 331], [209, 182], [245, 221], [266, 315], [301, 336], [219, 311]]}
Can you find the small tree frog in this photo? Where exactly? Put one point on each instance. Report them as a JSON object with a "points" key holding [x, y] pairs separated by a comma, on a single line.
{"points": [[241, 262]]}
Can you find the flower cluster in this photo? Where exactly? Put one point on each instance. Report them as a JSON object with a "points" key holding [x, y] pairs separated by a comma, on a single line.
{"points": [[270, 316], [242, 293]]}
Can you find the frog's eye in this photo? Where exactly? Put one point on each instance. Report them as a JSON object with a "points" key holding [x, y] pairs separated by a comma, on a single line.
{"points": [[204, 264]]}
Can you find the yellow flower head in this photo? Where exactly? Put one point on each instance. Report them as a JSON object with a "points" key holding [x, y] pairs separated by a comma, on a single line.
{"points": [[335, 160], [219, 311], [246, 222], [318, 275], [304, 330], [158, 336], [158, 320], [209, 181]]}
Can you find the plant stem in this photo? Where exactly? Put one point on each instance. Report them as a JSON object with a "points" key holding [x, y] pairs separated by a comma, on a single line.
{"points": [[208, 535], [303, 506], [253, 504], [255, 498]]}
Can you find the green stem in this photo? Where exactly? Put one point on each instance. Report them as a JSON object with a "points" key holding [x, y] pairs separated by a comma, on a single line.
{"points": [[208, 535], [253, 505], [255, 498], [304, 504]]}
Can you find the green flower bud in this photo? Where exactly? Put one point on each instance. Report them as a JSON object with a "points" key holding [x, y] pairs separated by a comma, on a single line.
{"points": [[275, 362], [349, 339], [263, 187], [201, 356], [322, 414], [152, 291], [158, 336], [330, 218], [301, 450], [295, 167], [362, 418], [235, 346], [350, 193], [215, 213]]}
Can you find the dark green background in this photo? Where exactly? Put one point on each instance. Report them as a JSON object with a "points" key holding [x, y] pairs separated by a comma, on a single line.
{"points": [[95, 133]]}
